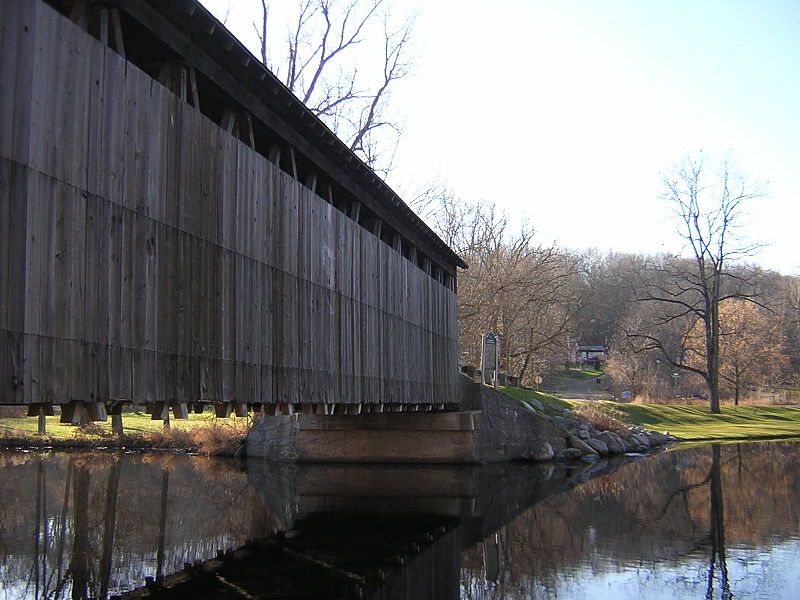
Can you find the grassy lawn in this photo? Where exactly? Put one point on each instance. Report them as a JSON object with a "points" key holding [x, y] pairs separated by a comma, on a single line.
{"points": [[577, 373], [134, 423], [552, 404], [695, 423], [692, 423]]}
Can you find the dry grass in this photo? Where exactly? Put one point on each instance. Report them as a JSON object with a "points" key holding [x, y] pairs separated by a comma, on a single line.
{"points": [[219, 437], [600, 416]]}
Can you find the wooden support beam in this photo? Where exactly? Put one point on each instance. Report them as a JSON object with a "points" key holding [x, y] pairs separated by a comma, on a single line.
{"points": [[426, 265], [240, 409], [311, 181], [198, 407], [97, 411], [73, 412], [183, 89], [294, 162], [376, 227], [355, 210], [193, 84], [228, 121], [116, 25], [223, 409], [79, 14], [164, 74], [180, 410], [159, 411], [248, 135], [46, 408], [188, 8], [397, 243], [104, 22], [275, 155], [412, 254], [41, 411]]}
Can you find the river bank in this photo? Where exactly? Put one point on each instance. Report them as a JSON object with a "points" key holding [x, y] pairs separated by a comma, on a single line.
{"points": [[688, 422], [207, 435], [200, 434]]}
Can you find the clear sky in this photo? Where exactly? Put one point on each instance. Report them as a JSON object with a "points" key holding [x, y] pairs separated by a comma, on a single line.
{"points": [[566, 112]]}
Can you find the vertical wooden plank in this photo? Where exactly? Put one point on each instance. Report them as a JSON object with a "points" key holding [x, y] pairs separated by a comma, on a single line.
{"points": [[50, 92], [16, 58], [30, 143], [52, 199], [112, 156], [36, 207], [5, 240], [74, 63], [266, 335], [171, 165], [119, 363]]}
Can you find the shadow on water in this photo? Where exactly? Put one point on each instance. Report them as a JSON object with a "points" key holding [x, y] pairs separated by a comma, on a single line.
{"points": [[132, 525]]}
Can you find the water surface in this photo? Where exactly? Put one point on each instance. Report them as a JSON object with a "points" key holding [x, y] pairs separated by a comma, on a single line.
{"points": [[714, 522]]}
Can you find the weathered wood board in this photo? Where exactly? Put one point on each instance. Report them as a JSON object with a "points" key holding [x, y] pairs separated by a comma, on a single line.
{"points": [[148, 255]]}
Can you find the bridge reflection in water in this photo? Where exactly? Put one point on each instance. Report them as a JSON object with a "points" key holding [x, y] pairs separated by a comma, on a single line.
{"points": [[97, 526]]}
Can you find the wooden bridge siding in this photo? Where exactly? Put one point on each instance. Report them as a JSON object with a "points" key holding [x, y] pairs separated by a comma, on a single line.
{"points": [[149, 255]]}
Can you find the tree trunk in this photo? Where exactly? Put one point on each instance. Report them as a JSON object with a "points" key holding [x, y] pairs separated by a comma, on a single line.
{"points": [[109, 528], [717, 518], [712, 357], [714, 401], [79, 563], [736, 395]]}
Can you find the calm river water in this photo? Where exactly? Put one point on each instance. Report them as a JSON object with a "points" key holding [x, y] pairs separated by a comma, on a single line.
{"points": [[712, 522]]}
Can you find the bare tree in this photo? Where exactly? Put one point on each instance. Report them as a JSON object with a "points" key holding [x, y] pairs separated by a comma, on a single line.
{"points": [[317, 60], [752, 347], [709, 208], [522, 291]]}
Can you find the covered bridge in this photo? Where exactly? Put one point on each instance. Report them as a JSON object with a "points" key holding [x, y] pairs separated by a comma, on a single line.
{"points": [[177, 229]]}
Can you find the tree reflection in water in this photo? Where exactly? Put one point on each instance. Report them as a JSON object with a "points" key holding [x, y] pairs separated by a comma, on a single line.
{"points": [[710, 522], [94, 525], [714, 522], [717, 534]]}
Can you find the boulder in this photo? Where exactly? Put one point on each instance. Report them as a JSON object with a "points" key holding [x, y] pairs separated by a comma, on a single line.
{"points": [[578, 443], [536, 404], [568, 454], [613, 442], [597, 445], [657, 439], [542, 451], [564, 423], [583, 433], [641, 439]]}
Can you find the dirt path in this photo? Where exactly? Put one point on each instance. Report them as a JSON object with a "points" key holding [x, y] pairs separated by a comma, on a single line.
{"points": [[578, 389]]}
